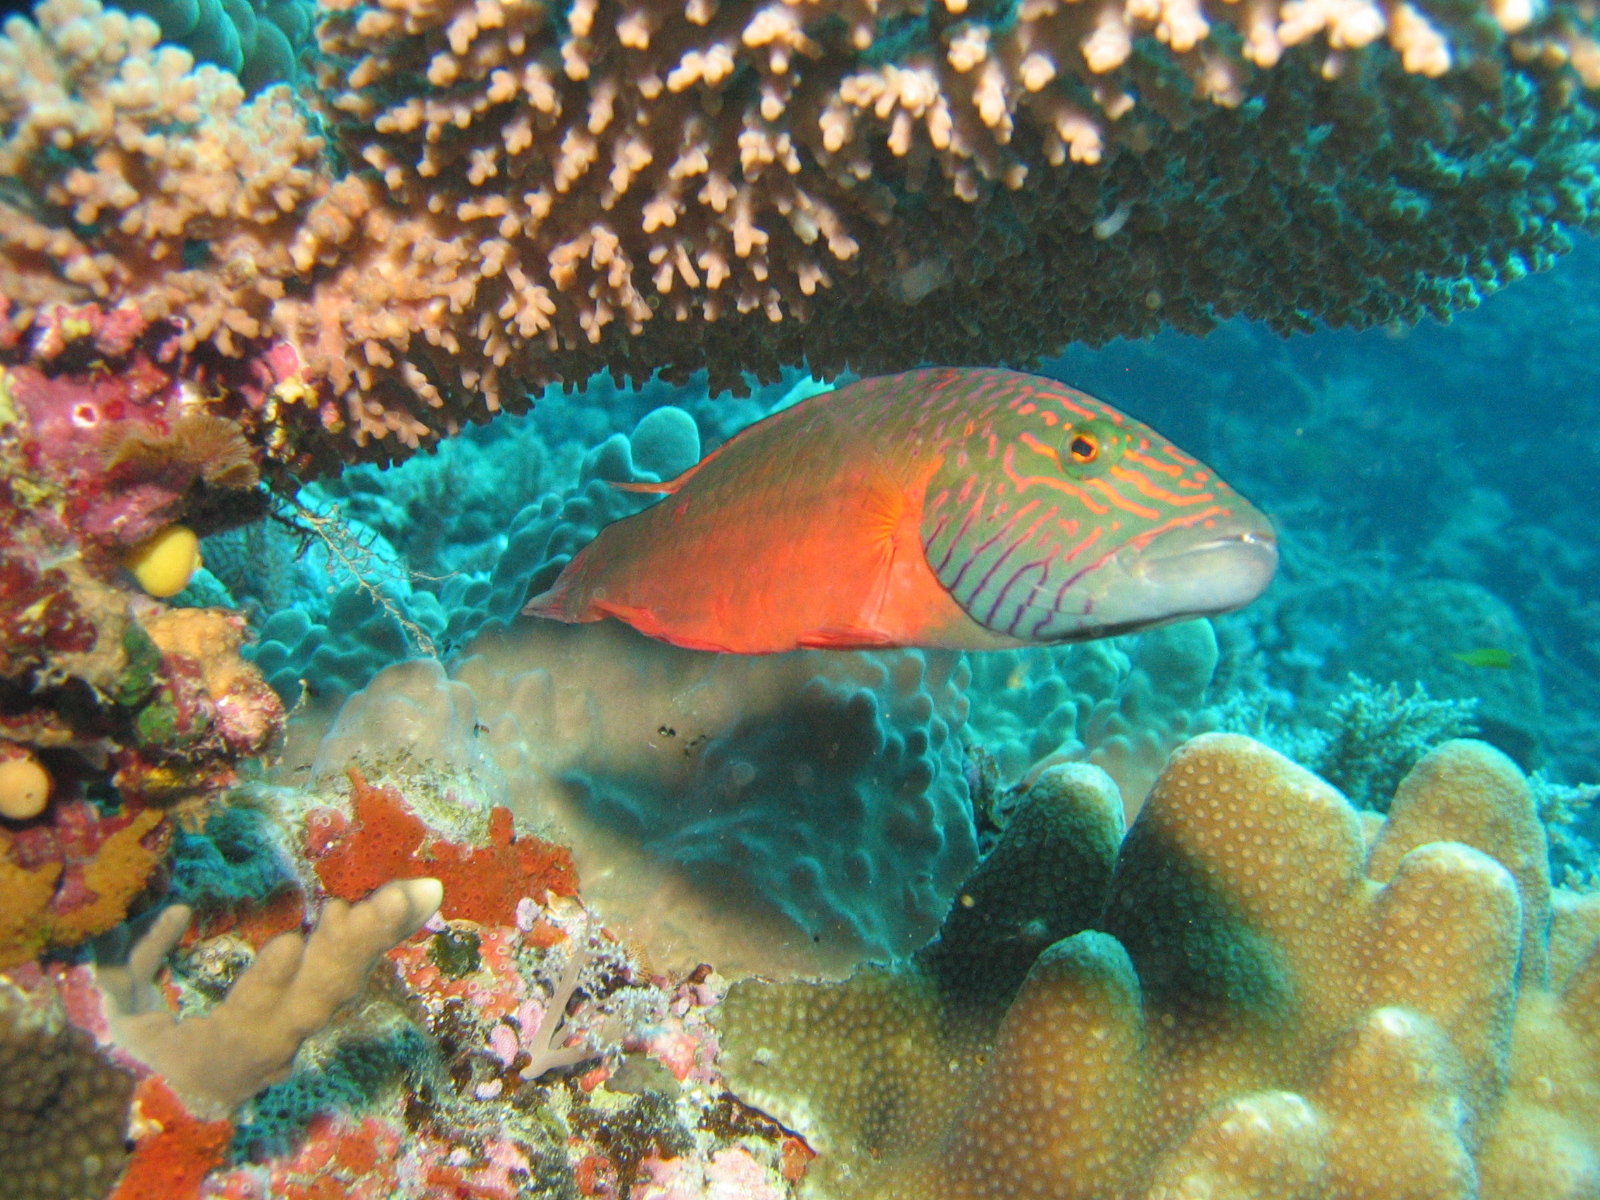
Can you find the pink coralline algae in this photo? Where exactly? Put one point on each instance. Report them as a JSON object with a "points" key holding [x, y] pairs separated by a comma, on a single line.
{"points": [[682, 1038], [495, 991], [120, 430], [731, 1174], [108, 436], [376, 1158]]}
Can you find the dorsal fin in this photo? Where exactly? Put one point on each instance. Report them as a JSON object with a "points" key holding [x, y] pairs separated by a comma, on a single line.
{"points": [[669, 487]]}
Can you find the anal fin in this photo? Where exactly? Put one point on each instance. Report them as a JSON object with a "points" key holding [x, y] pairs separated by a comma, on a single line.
{"points": [[837, 638]]}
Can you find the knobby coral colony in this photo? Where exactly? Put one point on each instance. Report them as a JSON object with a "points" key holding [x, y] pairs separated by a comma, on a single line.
{"points": [[483, 198], [1260, 993]]}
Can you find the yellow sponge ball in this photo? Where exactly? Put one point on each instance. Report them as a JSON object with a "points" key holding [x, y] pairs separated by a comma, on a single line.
{"points": [[24, 786], [165, 563]]}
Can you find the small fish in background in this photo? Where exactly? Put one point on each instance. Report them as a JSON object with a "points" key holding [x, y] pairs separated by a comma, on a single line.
{"points": [[969, 509], [1488, 657]]}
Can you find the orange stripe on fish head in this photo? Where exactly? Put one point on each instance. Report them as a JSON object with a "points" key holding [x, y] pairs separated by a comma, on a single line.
{"points": [[1055, 517]]}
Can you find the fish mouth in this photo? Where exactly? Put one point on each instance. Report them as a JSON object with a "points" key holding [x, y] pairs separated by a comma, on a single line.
{"points": [[1200, 572]]}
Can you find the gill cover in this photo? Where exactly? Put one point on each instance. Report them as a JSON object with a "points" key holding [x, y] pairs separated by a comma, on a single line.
{"points": [[1038, 495]]}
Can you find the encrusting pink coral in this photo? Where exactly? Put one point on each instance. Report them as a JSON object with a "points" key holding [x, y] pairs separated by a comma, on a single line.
{"points": [[385, 839]]}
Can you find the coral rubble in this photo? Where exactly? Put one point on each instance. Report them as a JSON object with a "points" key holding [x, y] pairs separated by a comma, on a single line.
{"points": [[1263, 1001]]}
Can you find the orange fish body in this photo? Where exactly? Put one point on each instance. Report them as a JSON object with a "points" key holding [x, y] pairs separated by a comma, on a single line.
{"points": [[869, 516]]}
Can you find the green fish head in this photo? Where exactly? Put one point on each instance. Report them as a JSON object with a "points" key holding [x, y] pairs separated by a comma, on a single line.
{"points": [[1053, 517]]}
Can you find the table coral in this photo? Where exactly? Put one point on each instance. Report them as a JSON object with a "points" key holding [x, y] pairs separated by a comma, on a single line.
{"points": [[1265, 1003], [522, 193], [727, 171]]}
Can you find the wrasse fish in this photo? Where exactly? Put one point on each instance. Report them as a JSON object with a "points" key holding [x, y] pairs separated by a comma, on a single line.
{"points": [[1490, 657], [953, 508]]}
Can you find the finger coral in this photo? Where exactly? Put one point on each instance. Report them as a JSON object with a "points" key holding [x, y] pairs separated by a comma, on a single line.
{"points": [[1263, 1003], [217, 1061]]}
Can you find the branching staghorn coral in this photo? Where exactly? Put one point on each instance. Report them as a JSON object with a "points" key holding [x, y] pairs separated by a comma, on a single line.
{"points": [[217, 1061], [1370, 737], [124, 164], [1265, 1005]]}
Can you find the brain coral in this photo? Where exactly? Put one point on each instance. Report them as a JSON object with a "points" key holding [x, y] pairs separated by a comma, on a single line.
{"points": [[516, 192], [1268, 1005]]}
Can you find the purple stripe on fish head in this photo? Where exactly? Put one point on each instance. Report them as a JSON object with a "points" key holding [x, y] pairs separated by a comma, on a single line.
{"points": [[1045, 494]]}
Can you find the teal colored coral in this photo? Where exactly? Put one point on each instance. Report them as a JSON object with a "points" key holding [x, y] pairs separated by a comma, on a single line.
{"points": [[358, 1069], [235, 858], [260, 43], [445, 544], [845, 808]]}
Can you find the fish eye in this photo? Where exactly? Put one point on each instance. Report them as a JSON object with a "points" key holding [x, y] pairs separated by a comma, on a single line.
{"points": [[1083, 448], [1091, 447]]}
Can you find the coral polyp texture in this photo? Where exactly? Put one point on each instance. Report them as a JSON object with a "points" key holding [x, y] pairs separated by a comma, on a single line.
{"points": [[64, 1113], [511, 193], [1266, 1003]]}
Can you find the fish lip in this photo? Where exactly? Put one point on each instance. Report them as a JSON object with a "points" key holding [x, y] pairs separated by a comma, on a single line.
{"points": [[1257, 539], [1200, 573]]}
